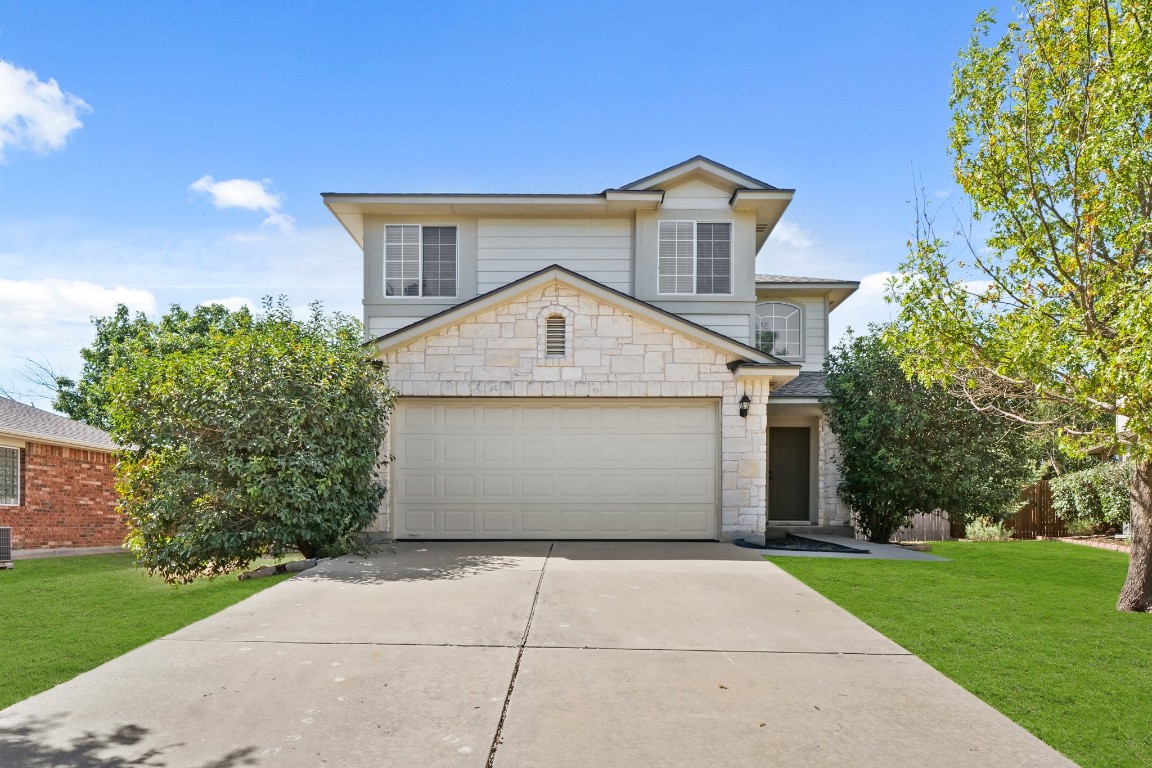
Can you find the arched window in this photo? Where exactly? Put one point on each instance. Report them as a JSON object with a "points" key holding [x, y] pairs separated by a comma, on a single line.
{"points": [[778, 330], [554, 336]]}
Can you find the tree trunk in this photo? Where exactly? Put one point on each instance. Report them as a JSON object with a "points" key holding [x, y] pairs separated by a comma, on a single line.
{"points": [[1137, 592]]}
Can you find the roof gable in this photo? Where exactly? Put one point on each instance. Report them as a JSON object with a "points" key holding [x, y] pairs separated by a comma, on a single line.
{"points": [[699, 167]]}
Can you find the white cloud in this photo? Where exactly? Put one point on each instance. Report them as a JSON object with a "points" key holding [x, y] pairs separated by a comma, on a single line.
{"points": [[47, 318], [865, 306], [248, 194], [35, 115], [792, 235]]}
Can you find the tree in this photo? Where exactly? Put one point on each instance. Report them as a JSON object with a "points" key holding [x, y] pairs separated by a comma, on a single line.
{"points": [[255, 435], [906, 448], [119, 337], [1052, 142]]}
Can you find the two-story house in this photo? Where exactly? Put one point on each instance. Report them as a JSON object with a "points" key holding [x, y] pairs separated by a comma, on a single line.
{"points": [[597, 366]]}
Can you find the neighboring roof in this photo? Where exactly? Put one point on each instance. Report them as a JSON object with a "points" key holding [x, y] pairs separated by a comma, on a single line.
{"points": [[24, 421], [555, 272], [806, 385]]}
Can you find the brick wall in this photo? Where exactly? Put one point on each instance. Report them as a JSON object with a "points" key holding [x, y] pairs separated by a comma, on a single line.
{"points": [[67, 499]]}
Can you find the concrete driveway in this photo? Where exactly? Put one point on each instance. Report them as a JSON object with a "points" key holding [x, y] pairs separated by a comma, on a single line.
{"points": [[527, 654]]}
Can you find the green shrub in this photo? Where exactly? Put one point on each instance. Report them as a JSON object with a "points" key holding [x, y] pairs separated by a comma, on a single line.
{"points": [[986, 529], [1095, 499]]}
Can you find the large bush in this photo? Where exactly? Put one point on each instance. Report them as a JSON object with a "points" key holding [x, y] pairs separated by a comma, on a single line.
{"points": [[1094, 498], [906, 448], [261, 437]]}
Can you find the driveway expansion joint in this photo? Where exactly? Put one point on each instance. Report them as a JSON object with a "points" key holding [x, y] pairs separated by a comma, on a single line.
{"points": [[516, 667], [716, 650]]}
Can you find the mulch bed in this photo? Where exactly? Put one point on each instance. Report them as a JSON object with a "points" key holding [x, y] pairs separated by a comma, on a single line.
{"points": [[792, 543]]}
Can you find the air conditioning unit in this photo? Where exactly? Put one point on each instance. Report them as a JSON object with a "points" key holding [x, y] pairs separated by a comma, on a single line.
{"points": [[5, 547]]}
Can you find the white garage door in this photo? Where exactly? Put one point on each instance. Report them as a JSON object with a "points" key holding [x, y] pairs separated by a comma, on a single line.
{"points": [[500, 468]]}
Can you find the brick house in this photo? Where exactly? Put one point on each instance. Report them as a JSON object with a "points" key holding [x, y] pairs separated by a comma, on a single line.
{"points": [[56, 481]]}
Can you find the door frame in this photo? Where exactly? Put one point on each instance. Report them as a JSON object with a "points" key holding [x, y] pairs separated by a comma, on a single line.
{"points": [[813, 426]]}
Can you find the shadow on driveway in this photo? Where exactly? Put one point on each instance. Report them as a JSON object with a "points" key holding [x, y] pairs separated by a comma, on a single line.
{"points": [[30, 745]]}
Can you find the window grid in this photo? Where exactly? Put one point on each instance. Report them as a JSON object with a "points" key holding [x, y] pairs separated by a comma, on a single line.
{"points": [[778, 329], [694, 257], [419, 261], [9, 476]]}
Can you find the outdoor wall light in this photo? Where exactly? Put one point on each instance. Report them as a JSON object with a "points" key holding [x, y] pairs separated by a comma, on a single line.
{"points": [[744, 403]]}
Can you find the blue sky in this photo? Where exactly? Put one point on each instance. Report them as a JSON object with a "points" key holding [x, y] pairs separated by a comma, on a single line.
{"points": [[120, 121]]}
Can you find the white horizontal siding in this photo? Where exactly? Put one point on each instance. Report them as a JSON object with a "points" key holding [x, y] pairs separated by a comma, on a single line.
{"points": [[696, 194], [815, 321], [508, 249], [734, 326], [379, 325]]}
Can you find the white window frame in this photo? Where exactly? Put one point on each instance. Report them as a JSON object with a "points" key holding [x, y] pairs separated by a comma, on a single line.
{"points": [[3, 502], [695, 240], [800, 329], [419, 260]]}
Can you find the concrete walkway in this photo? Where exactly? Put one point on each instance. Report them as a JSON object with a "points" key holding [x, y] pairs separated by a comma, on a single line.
{"points": [[532, 655]]}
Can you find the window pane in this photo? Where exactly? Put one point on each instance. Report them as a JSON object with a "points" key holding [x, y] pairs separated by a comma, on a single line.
{"points": [[439, 261], [9, 476], [713, 258], [778, 329], [402, 260], [675, 264]]}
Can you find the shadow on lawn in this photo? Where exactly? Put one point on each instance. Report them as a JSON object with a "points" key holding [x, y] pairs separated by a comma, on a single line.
{"points": [[42, 743]]}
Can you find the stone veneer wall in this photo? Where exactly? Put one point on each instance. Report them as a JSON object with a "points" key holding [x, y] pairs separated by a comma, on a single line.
{"points": [[832, 510], [67, 500], [500, 353]]}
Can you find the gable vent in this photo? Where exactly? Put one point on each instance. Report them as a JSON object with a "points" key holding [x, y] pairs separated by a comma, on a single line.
{"points": [[554, 336]]}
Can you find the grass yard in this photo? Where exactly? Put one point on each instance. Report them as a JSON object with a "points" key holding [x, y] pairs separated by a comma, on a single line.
{"points": [[1029, 627], [60, 616]]}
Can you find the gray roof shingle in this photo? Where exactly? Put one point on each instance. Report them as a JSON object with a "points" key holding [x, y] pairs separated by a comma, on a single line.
{"points": [[24, 421], [806, 384], [789, 279]]}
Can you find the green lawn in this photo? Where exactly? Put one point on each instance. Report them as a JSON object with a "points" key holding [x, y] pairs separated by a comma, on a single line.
{"points": [[61, 616], [1029, 627]]}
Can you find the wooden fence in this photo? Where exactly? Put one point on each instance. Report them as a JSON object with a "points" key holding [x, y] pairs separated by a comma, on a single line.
{"points": [[1036, 517]]}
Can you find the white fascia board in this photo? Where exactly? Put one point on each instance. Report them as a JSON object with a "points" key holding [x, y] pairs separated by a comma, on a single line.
{"points": [[775, 375], [460, 314]]}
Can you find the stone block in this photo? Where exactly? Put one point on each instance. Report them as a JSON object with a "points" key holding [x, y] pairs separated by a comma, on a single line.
{"points": [[619, 326]]}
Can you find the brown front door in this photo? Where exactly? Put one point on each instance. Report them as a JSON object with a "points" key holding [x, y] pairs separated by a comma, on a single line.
{"points": [[788, 468]]}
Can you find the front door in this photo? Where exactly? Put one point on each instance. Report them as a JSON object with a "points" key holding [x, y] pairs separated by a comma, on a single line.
{"points": [[788, 468]]}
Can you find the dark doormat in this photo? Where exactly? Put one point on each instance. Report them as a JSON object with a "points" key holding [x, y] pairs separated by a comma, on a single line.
{"points": [[800, 544]]}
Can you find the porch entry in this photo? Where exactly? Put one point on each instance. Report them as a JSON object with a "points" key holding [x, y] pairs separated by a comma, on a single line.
{"points": [[789, 465]]}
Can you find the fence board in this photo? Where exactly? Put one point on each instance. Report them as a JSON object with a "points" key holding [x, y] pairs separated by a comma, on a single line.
{"points": [[1036, 517]]}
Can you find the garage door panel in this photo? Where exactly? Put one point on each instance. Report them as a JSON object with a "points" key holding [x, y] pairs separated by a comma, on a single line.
{"points": [[556, 469], [458, 449], [457, 417], [458, 486]]}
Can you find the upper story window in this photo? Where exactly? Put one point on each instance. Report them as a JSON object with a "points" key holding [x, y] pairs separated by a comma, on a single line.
{"points": [[419, 260], [695, 257], [778, 329], [9, 476]]}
